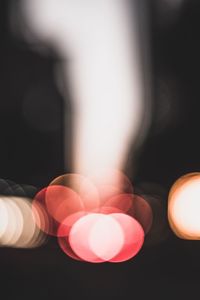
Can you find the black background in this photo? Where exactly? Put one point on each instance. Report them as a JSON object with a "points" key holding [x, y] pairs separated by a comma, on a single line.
{"points": [[167, 270]]}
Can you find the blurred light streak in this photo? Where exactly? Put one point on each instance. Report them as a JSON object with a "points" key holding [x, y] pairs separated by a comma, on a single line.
{"points": [[101, 44], [184, 207]]}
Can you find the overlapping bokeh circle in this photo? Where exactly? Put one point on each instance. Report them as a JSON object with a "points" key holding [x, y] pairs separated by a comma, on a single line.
{"points": [[93, 223]]}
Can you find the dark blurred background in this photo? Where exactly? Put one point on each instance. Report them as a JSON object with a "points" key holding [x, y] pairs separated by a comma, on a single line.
{"points": [[32, 152]]}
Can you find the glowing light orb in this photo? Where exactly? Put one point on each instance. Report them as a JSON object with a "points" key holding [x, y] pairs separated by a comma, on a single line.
{"points": [[79, 238], [96, 238], [133, 237], [106, 237], [82, 186], [184, 207], [61, 202]]}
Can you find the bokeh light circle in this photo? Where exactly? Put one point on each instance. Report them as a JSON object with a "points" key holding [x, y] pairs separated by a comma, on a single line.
{"points": [[133, 237], [79, 238], [184, 207], [106, 237], [83, 186], [62, 201]]}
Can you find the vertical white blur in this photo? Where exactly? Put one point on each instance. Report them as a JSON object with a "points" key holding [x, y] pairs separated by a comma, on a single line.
{"points": [[100, 39]]}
